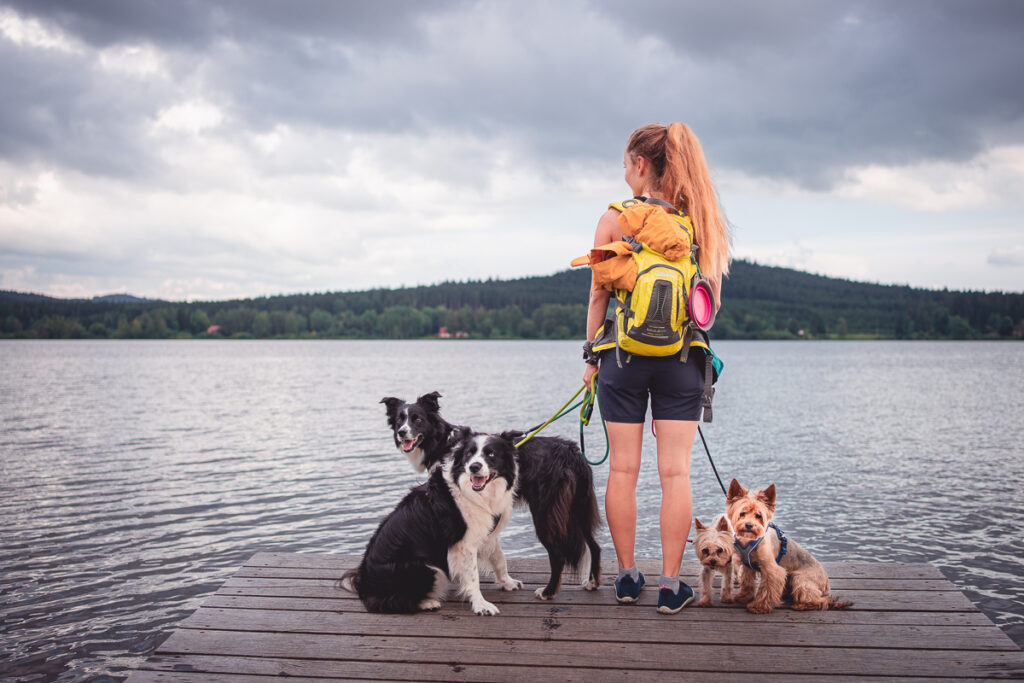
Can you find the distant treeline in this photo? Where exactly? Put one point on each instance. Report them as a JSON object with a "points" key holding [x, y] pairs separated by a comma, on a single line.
{"points": [[760, 302]]}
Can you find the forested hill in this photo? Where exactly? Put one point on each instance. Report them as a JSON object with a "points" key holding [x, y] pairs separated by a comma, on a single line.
{"points": [[760, 302]]}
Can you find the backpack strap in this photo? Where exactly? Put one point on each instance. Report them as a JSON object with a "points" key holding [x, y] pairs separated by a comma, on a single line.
{"points": [[605, 336], [701, 340], [709, 387], [659, 202], [624, 204]]}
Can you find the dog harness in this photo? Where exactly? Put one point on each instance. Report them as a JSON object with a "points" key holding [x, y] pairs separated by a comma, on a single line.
{"points": [[748, 549]]}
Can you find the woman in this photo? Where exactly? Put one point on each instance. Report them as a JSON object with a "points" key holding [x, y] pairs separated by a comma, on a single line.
{"points": [[665, 163]]}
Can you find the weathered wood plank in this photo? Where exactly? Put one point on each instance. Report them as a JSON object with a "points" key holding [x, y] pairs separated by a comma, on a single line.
{"points": [[579, 628], [282, 615], [937, 601], [880, 570], [638, 655], [614, 611], [173, 668], [540, 578], [152, 676]]}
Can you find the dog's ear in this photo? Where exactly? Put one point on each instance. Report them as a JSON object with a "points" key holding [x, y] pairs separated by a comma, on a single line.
{"points": [[429, 401], [392, 404], [767, 496], [512, 435], [458, 437], [723, 524], [736, 490], [698, 525]]}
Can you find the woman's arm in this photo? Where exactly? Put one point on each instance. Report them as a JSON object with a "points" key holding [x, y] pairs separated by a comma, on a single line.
{"points": [[607, 231]]}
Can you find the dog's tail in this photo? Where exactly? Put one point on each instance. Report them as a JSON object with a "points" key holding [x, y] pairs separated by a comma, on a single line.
{"points": [[348, 580], [835, 603], [590, 514], [583, 518]]}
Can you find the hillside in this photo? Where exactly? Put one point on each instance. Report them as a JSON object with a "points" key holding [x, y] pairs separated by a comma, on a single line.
{"points": [[760, 302]]}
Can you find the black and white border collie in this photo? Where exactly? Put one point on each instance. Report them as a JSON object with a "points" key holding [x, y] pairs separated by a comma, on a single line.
{"points": [[436, 533], [555, 482]]}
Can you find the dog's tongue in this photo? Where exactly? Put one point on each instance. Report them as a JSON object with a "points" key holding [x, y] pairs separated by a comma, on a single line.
{"points": [[478, 482], [408, 444]]}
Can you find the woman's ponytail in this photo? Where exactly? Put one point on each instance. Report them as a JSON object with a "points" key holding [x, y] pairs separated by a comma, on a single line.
{"points": [[687, 180]]}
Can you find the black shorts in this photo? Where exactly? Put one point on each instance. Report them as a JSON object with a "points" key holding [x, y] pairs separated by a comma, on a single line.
{"points": [[675, 388]]}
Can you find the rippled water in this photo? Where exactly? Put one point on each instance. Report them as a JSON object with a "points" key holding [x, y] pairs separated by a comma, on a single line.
{"points": [[135, 477]]}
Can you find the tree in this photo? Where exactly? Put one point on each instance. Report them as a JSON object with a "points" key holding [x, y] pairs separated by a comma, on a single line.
{"points": [[841, 328], [367, 323], [817, 325], [401, 322], [153, 325], [261, 326], [199, 321], [320, 321], [295, 324], [959, 328], [940, 322]]}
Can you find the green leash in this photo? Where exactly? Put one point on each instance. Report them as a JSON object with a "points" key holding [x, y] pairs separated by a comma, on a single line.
{"points": [[587, 403], [589, 399]]}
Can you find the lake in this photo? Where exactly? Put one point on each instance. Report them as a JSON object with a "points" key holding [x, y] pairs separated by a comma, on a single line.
{"points": [[136, 476]]}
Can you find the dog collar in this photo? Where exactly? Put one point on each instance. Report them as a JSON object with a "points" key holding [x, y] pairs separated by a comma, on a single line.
{"points": [[747, 549]]}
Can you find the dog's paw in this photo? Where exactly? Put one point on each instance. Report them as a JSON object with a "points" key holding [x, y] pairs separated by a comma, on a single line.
{"points": [[743, 598], [759, 607], [511, 584], [541, 595], [590, 584], [430, 605], [704, 602], [726, 600], [482, 608]]}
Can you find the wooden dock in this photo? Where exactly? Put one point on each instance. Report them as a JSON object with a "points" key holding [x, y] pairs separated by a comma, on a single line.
{"points": [[281, 615]]}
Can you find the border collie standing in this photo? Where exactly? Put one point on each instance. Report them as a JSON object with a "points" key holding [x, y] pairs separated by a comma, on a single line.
{"points": [[555, 481], [438, 530]]}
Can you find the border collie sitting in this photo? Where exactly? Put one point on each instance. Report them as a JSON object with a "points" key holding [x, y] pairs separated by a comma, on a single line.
{"points": [[555, 482], [437, 531]]}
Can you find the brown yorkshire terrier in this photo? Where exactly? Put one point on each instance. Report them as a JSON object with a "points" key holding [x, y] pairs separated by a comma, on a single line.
{"points": [[785, 567], [715, 552]]}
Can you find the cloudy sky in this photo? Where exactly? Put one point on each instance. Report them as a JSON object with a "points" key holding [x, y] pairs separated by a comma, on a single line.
{"points": [[213, 149]]}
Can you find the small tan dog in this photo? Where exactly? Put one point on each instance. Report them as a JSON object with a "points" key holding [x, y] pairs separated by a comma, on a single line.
{"points": [[714, 546], [784, 566]]}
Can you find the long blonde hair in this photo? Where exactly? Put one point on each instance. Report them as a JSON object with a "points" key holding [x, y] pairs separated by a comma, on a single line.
{"points": [[682, 175]]}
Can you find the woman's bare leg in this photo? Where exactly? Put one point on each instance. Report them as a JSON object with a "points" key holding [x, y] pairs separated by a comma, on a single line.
{"points": [[675, 440], [625, 440]]}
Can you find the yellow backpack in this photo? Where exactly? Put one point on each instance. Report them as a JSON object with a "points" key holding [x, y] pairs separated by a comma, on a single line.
{"points": [[655, 318]]}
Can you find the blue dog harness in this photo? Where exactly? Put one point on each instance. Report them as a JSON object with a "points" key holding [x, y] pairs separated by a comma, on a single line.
{"points": [[746, 550]]}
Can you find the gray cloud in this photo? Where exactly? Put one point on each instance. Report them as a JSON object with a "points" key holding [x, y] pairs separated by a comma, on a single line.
{"points": [[492, 101], [197, 23], [803, 89], [63, 110], [796, 90]]}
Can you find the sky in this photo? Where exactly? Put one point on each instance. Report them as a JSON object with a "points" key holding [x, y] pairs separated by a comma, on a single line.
{"points": [[217, 149]]}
